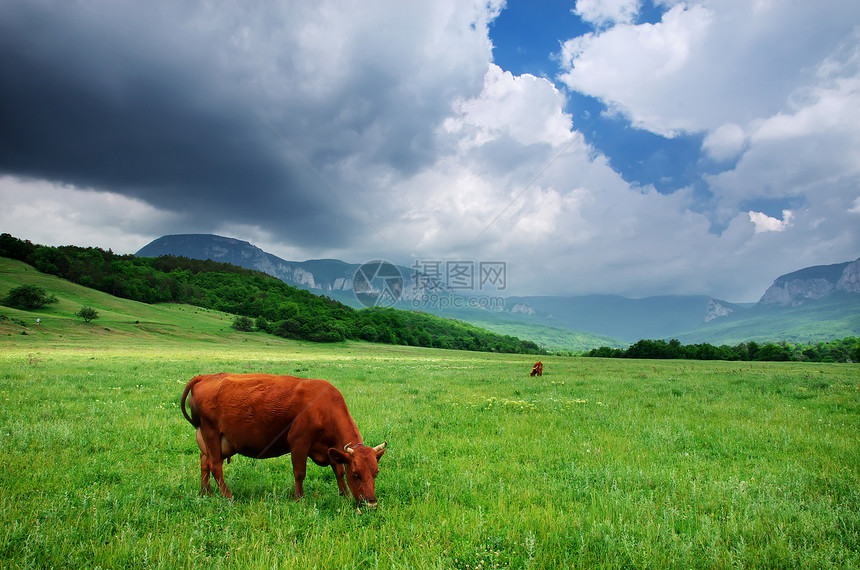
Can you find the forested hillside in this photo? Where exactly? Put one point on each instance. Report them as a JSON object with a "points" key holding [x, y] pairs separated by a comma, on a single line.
{"points": [[273, 305]]}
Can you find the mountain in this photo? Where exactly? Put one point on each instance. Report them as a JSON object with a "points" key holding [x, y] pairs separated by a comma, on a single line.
{"points": [[335, 279], [834, 316], [623, 318], [329, 276], [813, 304], [809, 305], [811, 283]]}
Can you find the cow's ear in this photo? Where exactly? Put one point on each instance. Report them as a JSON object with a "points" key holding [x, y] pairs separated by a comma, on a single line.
{"points": [[337, 455]]}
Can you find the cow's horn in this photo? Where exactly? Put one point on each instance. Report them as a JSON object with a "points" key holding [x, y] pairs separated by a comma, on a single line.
{"points": [[380, 447], [348, 449]]}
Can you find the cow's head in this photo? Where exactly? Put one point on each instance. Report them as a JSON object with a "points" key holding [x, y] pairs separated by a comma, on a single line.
{"points": [[362, 466]]}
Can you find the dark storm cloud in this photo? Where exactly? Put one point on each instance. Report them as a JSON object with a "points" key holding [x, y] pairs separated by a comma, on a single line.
{"points": [[96, 107], [366, 130]]}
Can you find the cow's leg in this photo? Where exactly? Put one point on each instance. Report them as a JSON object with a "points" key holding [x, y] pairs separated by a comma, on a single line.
{"points": [[218, 471], [204, 474], [341, 483], [211, 441], [300, 467], [204, 465]]}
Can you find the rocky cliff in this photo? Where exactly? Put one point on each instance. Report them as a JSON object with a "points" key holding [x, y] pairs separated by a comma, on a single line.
{"points": [[717, 309], [793, 289], [331, 277], [327, 275], [850, 280]]}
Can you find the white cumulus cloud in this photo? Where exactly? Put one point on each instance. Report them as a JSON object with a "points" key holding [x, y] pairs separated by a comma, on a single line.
{"points": [[724, 143], [765, 223], [638, 70], [707, 62], [604, 12]]}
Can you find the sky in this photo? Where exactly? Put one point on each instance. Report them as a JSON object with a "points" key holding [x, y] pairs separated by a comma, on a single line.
{"points": [[628, 147]]}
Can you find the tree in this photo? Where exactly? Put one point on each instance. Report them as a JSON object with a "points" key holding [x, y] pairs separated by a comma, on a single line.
{"points": [[28, 297], [368, 332], [752, 349], [288, 328], [772, 352], [243, 324], [87, 313]]}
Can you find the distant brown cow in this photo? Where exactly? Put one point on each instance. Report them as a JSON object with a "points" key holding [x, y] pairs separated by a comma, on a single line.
{"points": [[264, 415], [537, 369]]}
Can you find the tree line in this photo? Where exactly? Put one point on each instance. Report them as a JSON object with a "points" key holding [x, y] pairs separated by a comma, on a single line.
{"points": [[844, 350], [274, 306]]}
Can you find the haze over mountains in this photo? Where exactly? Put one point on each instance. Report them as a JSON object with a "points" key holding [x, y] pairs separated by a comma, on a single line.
{"points": [[809, 305]]}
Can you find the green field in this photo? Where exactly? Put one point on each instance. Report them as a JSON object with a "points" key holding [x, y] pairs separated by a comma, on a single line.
{"points": [[599, 463]]}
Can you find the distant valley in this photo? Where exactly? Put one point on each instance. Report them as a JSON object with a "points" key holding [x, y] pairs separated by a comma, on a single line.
{"points": [[812, 304]]}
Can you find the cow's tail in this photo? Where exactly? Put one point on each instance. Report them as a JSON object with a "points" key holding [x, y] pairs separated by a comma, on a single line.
{"points": [[185, 396]]}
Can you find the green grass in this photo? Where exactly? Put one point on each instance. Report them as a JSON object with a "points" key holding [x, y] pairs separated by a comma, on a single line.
{"points": [[599, 463]]}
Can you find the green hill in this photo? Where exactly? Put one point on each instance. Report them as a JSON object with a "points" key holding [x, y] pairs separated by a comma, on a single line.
{"points": [[117, 317], [274, 306]]}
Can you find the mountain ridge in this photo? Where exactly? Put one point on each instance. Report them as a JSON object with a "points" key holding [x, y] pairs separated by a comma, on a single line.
{"points": [[622, 317], [305, 274], [811, 283], [830, 295]]}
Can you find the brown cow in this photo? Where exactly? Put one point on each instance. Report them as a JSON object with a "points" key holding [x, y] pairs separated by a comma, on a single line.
{"points": [[537, 369], [265, 415]]}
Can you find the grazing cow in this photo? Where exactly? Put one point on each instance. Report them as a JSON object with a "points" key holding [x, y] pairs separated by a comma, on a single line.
{"points": [[264, 415], [537, 369]]}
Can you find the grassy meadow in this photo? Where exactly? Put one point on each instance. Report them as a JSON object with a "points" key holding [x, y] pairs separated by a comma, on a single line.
{"points": [[599, 463]]}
